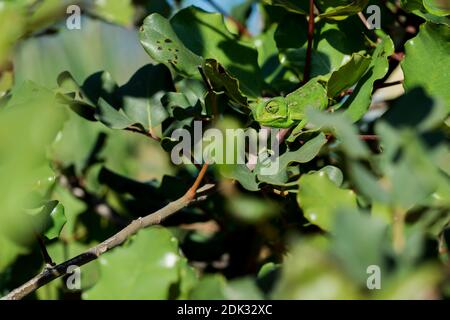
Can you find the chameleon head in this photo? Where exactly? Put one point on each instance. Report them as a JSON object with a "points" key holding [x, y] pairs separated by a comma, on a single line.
{"points": [[271, 113]]}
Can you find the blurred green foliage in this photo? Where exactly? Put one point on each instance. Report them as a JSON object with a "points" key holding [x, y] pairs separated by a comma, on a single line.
{"points": [[364, 184]]}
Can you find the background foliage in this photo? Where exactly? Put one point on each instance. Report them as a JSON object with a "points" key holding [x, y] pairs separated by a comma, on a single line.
{"points": [[86, 118]]}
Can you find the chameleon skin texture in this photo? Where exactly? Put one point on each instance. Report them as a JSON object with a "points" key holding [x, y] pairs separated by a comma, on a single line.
{"points": [[284, 112]]}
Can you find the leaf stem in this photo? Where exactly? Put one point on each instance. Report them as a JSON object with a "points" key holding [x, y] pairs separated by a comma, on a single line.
{"points": [[45, 255]]}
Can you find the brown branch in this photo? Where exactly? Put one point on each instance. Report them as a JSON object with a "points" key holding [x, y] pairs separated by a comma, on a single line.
{"points": [[368, 137], [364, 20], [307, 71], [51, 273], [387, 84], [364, 137], [375, 86]]}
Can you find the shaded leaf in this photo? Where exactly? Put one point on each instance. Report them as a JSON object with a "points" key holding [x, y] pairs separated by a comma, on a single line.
{"points": [[347, 75], [241, 173], [145, 268], [57, 222], [359, 242], [80, 52], [427, 61], [206, 35], [338, 10], [163, 45], [221, 80], [304, 154], [320, 199], [340, 124], [359, 101]]}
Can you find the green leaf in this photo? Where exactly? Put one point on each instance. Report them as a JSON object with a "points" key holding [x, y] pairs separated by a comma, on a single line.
{"points": [[13, 24], [368, 184], [10, 251], [113, 118], [135, 103], [359, 101], [405, 189], [417, 7], [141, 95], [179, 106], [338, 9], [334, 174], [221, 80], [145, 268], [206, 35], [427, 61], [242, 289], [120, 12], [437, 7], [81, 53], [210, 287], [241, 173], [428, 113], [277, 76], [267, 276], [193, 35], [216, 287], [416, 284], [348, 74], [359, 241], [320, 199], [334, 43], [23, 157], [163, 45], [304, 154], [309, 272], [57, 222], [341, 126]]}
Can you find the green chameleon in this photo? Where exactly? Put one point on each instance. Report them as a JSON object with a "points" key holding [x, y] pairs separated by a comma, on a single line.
{"points": [[284, 112]]}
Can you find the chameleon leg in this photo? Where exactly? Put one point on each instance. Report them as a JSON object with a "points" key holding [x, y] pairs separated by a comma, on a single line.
{"points": [[296, 131]]}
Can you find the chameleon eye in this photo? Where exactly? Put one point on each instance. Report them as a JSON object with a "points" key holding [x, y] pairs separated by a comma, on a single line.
{"points": [[272, 107]]}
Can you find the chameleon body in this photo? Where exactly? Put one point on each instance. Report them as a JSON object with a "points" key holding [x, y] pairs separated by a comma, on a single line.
{"points": [[285, 112]]}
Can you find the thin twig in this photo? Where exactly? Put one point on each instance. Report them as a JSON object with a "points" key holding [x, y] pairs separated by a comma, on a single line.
{"points": [[307, 71], [376, 86], [368, 137], [364, 20], [51, 273], [45, 255], [387, 84]]}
